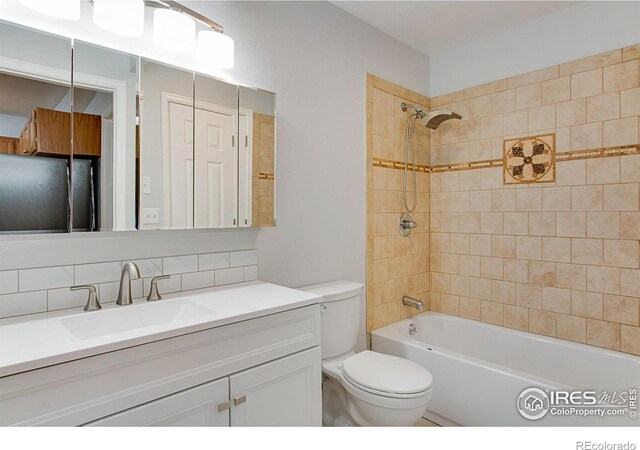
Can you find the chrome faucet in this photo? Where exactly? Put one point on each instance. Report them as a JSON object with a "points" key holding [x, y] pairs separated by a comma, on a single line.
{"points": [[129, 272], [413, 302]]}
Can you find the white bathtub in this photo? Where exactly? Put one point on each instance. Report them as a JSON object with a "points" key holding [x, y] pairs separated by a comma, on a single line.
{"points": [[480, 370]]}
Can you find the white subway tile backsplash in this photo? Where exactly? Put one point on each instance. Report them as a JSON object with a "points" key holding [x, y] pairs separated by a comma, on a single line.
{"points": [[198, 280], [173, 284], [210, 261], [148, 267], [8, 281], [29, 291], [97, 273], [180, 264], [23, 303], [250, 273], [229, 276], [45, 278], [64, 298], [244, 258]]}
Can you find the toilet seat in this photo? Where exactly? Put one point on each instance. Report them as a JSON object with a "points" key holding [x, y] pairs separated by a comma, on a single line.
{"points": [[386, 376]]}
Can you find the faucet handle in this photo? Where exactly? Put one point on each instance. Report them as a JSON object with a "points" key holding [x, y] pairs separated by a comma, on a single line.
{"points": [[153, 291], [93, 304]]}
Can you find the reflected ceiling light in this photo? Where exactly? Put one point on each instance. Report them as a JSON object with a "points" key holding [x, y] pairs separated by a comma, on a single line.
{"points": [[174, 30], [123, 17], [215, 49], [62, 9]]}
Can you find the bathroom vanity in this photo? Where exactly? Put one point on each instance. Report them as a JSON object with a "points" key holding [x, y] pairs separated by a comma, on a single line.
{"points": [[247, 355]]}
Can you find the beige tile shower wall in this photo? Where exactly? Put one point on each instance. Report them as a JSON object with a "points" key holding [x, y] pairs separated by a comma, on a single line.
{"points": [[558, 259], [396, 266], [263, 182]]}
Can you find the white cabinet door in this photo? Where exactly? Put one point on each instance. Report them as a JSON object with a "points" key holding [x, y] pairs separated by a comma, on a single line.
{"points": [[284, 392], [195, 407]]}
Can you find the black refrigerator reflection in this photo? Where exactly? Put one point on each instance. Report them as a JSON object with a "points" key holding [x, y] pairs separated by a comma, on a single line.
{"points": [[35, 194]]}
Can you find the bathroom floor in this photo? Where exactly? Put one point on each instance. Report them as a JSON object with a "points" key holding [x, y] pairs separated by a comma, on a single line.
{"points": [[425, 423]]}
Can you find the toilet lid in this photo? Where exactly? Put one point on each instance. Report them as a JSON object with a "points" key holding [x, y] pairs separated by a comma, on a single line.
{"points": [[386, 373]]}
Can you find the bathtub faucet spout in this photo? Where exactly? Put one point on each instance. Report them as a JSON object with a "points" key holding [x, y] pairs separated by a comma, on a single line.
{"points": [[413, 302]]}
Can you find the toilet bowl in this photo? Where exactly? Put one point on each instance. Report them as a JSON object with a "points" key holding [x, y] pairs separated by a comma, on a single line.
{"points": [[367, 388]]}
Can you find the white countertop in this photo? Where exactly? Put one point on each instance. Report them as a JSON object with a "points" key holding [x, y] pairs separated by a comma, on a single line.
{"points": [[27, 344]]}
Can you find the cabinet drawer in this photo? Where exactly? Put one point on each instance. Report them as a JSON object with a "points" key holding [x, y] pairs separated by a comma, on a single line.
{"points": [[195, 407], [84, 390]]}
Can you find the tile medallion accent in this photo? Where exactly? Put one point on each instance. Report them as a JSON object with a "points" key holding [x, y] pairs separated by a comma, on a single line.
{"points": [[530, 160]]}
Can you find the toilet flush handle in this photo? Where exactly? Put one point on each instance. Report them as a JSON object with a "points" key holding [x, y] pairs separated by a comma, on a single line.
{"points": [[322, 308]]}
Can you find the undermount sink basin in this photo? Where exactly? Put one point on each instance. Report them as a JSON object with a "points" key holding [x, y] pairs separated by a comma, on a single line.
{"points": [[127, 318]]}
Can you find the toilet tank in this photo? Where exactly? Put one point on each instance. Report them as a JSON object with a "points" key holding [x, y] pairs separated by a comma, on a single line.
{"points": [[340, 317]]}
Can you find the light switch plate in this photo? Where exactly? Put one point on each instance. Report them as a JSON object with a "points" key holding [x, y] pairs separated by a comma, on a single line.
{"points": [[151, 215], [146, 185]]}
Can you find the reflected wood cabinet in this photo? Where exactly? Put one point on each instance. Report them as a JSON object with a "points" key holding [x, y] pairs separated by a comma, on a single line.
{"points": [[8, 145], [48, 132]]}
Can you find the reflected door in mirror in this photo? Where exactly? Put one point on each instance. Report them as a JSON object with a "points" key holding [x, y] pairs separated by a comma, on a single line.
{"points": [[215, 175], [180, 124]]}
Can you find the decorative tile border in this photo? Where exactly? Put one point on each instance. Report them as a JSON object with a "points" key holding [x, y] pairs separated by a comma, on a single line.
{"points": [[391, 164], [564, 156], [599, 153], [266, 176]]}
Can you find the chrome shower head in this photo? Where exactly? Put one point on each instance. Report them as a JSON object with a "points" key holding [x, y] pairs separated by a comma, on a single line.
{"points": [[434, 118]]}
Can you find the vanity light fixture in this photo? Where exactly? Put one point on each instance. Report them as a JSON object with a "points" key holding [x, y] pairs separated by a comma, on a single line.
{"points": [[174, 30], [174, 25], [61, 9], [123, 17], [215, 49]]}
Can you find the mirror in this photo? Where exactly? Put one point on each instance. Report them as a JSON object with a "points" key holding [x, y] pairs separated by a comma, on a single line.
{"points": [[166, 147], [104, 149], [154, 146], [216, 153], [257, 110], [35, 127]]}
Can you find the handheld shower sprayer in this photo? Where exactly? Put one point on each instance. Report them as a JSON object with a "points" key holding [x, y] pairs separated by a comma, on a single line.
{"points": [[430, 119]]}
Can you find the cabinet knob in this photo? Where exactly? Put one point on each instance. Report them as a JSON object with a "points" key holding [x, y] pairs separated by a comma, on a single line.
{"points": [[239, 400], [224, 406]]}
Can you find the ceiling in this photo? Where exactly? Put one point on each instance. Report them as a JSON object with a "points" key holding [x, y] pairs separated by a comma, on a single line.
{"points": [[435, 26]]}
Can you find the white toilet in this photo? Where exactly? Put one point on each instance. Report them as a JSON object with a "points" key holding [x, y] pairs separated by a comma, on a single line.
{"points": [[368, 388]]}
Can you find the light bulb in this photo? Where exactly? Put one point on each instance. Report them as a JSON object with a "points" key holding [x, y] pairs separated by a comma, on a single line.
{"points": [[174, 30], [62, 9], [124, 17], [215, 49]]}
